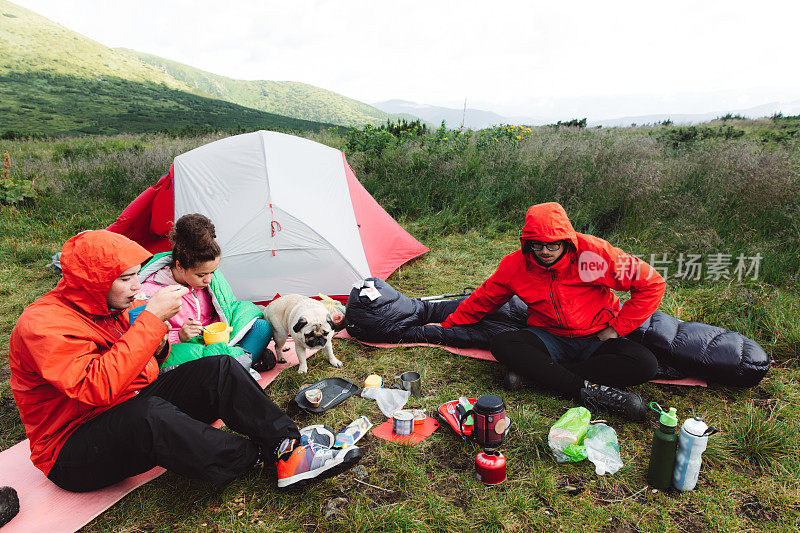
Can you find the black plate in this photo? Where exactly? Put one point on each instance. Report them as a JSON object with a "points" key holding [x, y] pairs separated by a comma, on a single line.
{"points": [[334, 392]]}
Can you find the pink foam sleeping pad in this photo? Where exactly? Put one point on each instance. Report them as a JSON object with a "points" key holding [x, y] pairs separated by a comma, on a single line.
{"points": [[45, 507]]}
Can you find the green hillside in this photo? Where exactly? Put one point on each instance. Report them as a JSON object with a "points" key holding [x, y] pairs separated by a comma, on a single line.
{"points": [[289, 98], [55, 81]]}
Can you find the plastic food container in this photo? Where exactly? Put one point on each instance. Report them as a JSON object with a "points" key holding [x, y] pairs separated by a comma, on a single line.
{"points": [[314, 397]]}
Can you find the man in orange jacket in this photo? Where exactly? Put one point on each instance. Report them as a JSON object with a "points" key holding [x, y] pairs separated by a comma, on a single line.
{"points": [[87, 385], [576, 326]]}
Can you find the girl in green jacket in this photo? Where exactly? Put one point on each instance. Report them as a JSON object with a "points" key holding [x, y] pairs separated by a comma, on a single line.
{"points": [[193, 263]]}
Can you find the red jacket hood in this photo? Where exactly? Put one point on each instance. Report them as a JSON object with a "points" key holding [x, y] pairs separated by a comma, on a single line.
{"points": [[90, 262], [547, 223]]}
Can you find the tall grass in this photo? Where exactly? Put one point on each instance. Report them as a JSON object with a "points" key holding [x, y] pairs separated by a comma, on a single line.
{"points": [[733, 195], [762, 440], [118, 167], [766, 314]]}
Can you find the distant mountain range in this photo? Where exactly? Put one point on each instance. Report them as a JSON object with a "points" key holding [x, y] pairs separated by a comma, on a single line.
{"points": [[475, 119], [479, 119], [765, 110]]}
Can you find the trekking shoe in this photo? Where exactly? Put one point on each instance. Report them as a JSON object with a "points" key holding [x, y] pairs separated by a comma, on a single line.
{"points": [[513, 381], [311, 463], [265, 362], [319, 434], [628, 404]]}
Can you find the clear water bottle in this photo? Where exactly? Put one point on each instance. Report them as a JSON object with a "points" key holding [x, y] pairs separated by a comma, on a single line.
{"points": [[692, 441]]}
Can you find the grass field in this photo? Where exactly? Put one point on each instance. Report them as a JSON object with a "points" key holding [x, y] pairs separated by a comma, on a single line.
{"points": [[649, 190]]}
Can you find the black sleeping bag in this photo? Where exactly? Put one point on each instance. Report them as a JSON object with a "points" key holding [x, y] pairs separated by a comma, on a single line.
{"points": [[396, 318], [682, 348], [709, 352]]}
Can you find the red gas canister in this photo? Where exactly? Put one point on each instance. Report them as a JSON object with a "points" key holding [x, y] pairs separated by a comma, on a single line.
{"points": [[490, 467]]}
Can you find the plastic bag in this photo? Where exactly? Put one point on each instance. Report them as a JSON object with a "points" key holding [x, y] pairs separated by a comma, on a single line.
{"points": [[336, 309], [566, 435], [389, 400], [602, 448]]}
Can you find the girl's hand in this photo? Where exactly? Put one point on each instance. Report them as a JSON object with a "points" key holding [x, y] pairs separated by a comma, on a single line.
{"points": [[190, 329], [608, 333]]}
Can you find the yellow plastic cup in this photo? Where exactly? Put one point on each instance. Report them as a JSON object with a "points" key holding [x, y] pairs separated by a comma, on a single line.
{"points": [[217, 332], [373, 380]]}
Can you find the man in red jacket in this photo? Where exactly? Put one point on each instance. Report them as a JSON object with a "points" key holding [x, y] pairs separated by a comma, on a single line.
{"points": [[96, 411], [574, 343]]}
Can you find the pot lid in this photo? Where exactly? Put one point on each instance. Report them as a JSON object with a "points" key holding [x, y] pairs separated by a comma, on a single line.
{"points": [[489, 404]]}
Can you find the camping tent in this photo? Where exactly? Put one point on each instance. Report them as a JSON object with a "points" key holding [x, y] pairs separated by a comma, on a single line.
{"points": [[290, 215]]}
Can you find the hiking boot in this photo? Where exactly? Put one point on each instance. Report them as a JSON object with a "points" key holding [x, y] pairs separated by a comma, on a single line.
{"points": [[311, 463], [265, 362], [513, 381], [628, 404], [319, 434]]}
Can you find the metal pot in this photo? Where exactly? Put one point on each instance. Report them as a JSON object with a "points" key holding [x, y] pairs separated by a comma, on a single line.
{"points": [[490, 421]]}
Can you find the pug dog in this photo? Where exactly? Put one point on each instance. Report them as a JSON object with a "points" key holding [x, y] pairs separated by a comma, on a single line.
{"points": [[307, 321]]}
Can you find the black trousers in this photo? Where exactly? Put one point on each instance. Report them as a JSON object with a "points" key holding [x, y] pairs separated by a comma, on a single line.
{"points": [[168, 424], [616, 362]]}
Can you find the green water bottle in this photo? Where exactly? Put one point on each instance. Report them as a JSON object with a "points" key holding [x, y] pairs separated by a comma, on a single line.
{"points": [[663, 450]]}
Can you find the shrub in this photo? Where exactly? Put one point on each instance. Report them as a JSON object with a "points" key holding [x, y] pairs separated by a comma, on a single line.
{"points": [[504, 133], [12, 135], [676, 137], [729, 116], [406, 129], [14, 189], [369, 139], [574, 123], [448, 143]]}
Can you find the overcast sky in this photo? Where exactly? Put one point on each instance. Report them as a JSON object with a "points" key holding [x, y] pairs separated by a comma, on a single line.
{"points": [[608, 58]]}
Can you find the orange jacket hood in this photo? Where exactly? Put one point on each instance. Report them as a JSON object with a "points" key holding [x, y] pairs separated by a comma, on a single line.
{"points": [[547, 223], [572, 297], [90, 262]]}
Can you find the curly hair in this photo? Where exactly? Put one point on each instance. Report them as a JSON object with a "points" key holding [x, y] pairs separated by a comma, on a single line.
{"points": [[192, 239]]}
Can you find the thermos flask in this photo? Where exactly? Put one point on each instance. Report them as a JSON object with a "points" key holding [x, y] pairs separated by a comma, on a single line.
{"points": [[662, 452], [692, 441]]}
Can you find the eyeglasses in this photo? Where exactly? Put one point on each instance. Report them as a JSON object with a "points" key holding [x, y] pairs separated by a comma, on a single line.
{"points": [[552, 246]]}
